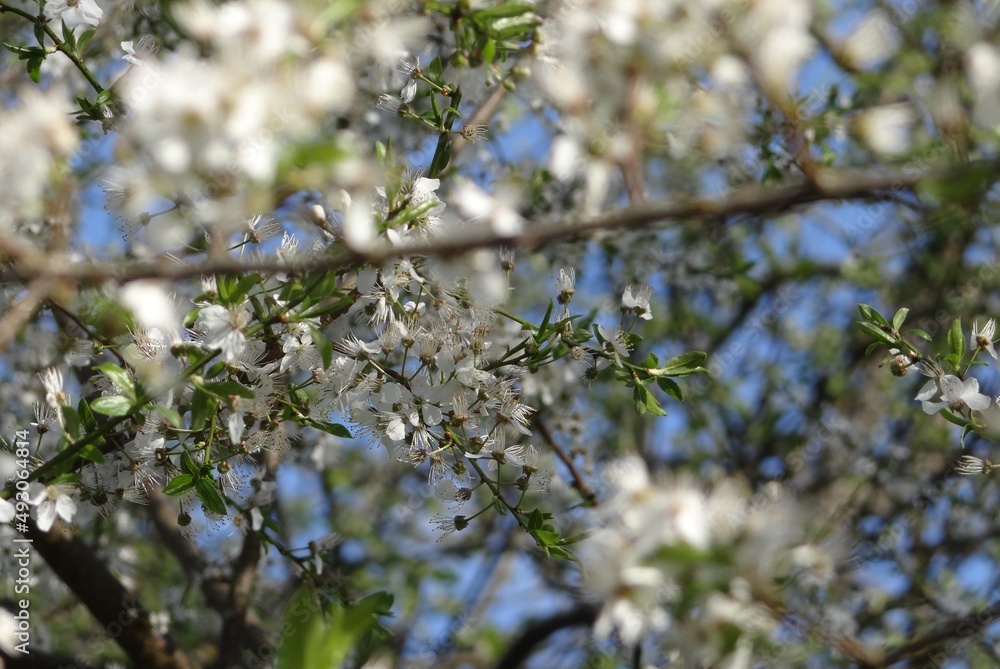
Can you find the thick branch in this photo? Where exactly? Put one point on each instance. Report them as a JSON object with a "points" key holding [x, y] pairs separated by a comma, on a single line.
{"points": [[38, 660], [536, 632], [21, 311], [216, 590], [115, 608], [955, 631], [234, 622], [827, 185]]}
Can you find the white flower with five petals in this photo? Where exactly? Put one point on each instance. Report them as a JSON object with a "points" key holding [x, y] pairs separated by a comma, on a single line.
{"points": [[955, 394]]}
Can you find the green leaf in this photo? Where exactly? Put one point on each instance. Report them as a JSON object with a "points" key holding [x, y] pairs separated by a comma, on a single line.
{"points": [[87, 420], [952, 418], [542, 333], [504, 29], [188, 465], [322, 345], [202, 407], [876, 333], [644, 401], [112, 405], [319, 639], [179, 485], [336, 429], [489, 51], [209, 496], [670, 387], [956, 340], [504, 10], [21, 51], [121, 379], [215, 370], [899, 318], [304, 620], [922, 334], [871, 347], [71, 418], [35, 68], [69, 38], [172, 416], [435, 71], [243, 288], [225, 389], [868, 313], [651, 362], [685, 364], [91, 452], [81, 44], [224, 285]]}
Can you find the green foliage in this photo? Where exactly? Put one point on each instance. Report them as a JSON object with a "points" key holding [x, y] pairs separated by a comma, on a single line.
{"points": [[322, 636]]}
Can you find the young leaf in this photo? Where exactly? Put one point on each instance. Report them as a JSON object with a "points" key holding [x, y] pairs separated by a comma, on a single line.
{"points": [[111, 405], [121, 379], [435, 70], [956, 340], [869, 314], [336, 429], [504, 10], [35, 68], [685, 364], [179, 485], [899, 318], [81, 44], [489, 51], [670, 387], [876, 333], [188, 465], [209, 496], [170, 414], [322, 345], [644, 401], [224, 389]]}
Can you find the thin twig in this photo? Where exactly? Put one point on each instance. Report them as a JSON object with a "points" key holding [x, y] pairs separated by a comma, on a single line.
{"points": [[578, 481]]}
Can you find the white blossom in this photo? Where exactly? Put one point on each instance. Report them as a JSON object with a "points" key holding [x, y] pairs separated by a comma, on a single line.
{"points": [[223, 329], [52, 501], [74, 13], [952, 393]]}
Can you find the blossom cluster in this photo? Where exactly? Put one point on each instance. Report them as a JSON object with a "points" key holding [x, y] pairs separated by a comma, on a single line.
{"points": [[951, 390], [406, 358], [208, 125], [696, 567]]}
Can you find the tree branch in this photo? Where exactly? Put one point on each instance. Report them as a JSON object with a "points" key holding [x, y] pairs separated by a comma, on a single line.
{"points": [[959, 629], [39, 660], [578, 481], [536, 632], [216, 590], [829, 184], [120, 613]]}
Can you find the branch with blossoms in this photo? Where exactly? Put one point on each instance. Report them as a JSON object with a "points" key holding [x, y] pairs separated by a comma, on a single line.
{"points": [[950, 391]]}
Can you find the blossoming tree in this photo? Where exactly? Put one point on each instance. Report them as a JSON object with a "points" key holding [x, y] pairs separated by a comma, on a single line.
{"points": [[383, 333]]}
